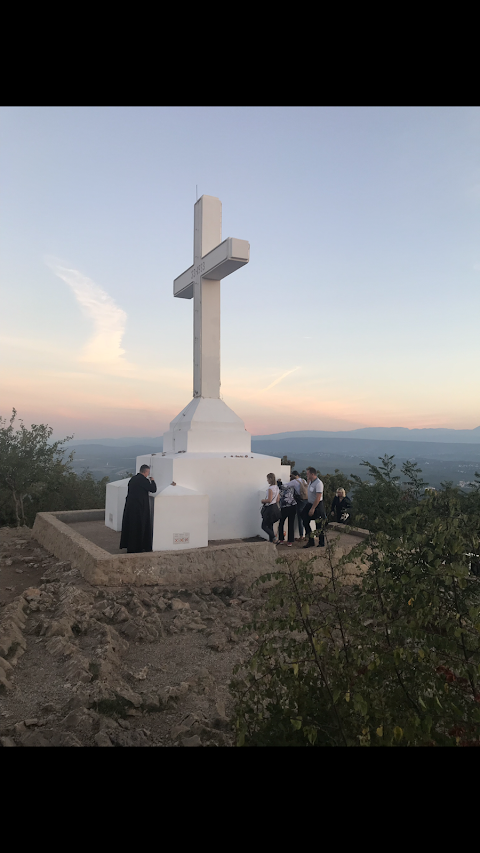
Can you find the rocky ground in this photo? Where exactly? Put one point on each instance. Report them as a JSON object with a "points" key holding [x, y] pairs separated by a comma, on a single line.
{"points": [[89, 666], [101, 666]]}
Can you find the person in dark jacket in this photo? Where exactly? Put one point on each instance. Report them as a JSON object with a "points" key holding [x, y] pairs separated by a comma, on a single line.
{"points": [[341, 507], [136, 533]]}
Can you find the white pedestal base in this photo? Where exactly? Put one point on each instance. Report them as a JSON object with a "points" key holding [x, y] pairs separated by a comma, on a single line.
{"points": [[180, 519], [234, 483], [115, 503]]}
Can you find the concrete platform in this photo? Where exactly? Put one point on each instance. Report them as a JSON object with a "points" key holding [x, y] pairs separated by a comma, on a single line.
{"points": [[82, 538], [104, 537]]}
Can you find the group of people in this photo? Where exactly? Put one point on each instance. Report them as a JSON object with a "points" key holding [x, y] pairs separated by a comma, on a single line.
{"points": [[296, 499], [302, 500]]}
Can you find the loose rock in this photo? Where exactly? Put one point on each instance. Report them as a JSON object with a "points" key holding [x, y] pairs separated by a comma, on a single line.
{"points": [[192, 741]]}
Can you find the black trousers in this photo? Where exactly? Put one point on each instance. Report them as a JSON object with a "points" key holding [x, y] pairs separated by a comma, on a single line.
{"points": [[268, 522], [290, 513], [318, 514]]}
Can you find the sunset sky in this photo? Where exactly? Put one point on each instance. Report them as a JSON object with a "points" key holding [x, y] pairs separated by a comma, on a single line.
{"points": [[360, 304]]}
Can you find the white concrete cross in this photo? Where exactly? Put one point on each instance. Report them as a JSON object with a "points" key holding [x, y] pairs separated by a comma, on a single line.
{"points": [[212, 261]]}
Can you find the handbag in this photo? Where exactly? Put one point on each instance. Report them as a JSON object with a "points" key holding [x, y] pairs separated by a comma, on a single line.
{"points": [[276, 512]]}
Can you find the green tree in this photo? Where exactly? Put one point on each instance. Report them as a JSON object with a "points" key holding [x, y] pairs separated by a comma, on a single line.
{"points": [[29, 464], [72, 491], [414, 485], [380, 499], [36, 477]]}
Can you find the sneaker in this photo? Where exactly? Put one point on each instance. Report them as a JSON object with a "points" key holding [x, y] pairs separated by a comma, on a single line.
{"points": [[321, 545], [310, 544]]}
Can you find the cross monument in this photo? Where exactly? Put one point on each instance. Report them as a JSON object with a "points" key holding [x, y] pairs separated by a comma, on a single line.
{"points": [[209, 482], [213, 260]]}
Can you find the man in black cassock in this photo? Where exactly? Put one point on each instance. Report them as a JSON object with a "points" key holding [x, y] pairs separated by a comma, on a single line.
{"points": [[136, 524]]}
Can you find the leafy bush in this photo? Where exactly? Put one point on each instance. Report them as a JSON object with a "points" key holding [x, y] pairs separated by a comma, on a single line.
{"points": [[390, 659], [380, 499]]}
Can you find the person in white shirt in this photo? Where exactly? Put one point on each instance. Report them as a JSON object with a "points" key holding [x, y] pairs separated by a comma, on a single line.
{"points": [[314, 508], [271, 511]]}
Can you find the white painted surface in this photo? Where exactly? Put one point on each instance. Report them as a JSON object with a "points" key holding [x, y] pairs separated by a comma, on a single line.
{"points": [[146, 459], [213, 266], [115, 503], [180, 519], [207, 426], [231, 481], [212, 261], [117, 494]]}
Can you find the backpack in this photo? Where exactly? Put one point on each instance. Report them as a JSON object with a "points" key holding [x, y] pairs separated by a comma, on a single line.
{"points": [[303, 490], [287, 497]]}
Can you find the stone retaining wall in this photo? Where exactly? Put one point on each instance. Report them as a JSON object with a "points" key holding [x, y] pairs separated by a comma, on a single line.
{"points": [[188, 569]]}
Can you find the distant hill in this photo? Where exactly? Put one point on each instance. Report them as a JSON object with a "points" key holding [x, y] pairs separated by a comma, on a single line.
{"points": [[440, 460], [445, 436], [119, 442], [368, 448], [456, 436]]}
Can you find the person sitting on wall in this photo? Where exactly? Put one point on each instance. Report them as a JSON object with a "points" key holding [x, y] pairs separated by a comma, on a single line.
{"points": [[136, 533], [341, 507]]}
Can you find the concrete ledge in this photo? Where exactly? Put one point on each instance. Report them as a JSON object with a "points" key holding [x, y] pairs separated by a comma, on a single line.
{"points": [[359, 532], [70, 516], [190, 568]]}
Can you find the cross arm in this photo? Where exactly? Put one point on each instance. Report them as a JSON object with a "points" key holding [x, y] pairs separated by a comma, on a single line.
{"points": [[217, 264]]}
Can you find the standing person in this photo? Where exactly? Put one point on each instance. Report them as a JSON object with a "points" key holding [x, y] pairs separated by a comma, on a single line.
{"points": [[302, 499], [288, 508], [136, 533], [341, 506], [314, 508], [270, 509]]}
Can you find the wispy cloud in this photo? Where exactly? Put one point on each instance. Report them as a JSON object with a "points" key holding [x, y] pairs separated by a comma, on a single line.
{"points": [[109, 321], [288, 372]]}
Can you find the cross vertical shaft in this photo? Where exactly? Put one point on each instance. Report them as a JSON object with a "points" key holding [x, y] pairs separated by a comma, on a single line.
{"points": [[206, 294]]}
